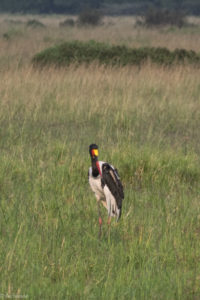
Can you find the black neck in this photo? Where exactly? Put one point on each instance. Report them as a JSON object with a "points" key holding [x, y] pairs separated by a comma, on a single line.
{"points": [[95, 171]]}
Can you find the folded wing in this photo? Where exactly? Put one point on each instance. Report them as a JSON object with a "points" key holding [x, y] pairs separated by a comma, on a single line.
{"points": [[110, 177]]}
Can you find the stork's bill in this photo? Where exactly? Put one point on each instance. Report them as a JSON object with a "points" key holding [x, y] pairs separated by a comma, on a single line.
{"points": [[95, 152]]}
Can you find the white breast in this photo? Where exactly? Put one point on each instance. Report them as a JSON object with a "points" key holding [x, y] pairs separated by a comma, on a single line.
{"points": [[95, 184]]}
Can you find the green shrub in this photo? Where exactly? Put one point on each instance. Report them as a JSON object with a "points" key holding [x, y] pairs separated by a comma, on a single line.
{"points": [[159, 17], [67, 23], [90, 17], [35, 24], [86, 52], [13, 22], [12, 33]]}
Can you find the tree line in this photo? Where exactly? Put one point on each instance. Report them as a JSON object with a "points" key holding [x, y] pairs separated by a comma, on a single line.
{"points": [[107, 6]]}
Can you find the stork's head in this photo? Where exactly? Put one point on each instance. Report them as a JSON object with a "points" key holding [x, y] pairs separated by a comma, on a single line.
{"points": [[93, 150]]}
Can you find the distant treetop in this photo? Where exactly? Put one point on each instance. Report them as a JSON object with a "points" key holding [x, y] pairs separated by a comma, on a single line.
{"points": [[106, 6]]}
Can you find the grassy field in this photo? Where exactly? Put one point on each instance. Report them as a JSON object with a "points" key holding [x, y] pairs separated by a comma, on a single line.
{"points": [[146, 122]]}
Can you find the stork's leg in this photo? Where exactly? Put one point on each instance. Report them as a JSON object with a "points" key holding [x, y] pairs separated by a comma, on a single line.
{"points": [[109, 222], [100, 219]]}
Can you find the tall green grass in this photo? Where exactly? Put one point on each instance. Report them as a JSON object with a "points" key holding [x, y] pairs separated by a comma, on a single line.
{"points": [[146, 123]]}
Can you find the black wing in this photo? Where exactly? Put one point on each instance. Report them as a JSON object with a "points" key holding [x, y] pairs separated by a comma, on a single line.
{"points": [[112, 180]]}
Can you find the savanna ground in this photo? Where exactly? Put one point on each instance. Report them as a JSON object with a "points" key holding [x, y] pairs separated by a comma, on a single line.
{"points": [[146, 122]]}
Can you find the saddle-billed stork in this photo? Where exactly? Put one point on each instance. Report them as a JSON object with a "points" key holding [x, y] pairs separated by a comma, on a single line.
{"points": [[105, 182]]}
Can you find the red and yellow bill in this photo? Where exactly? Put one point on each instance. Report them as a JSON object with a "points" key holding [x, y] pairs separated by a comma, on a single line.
{"points": [[95, 152]]}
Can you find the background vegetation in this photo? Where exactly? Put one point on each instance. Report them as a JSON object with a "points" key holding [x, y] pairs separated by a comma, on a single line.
{"points": [[76, 52], [146, 122], [107, 6]]}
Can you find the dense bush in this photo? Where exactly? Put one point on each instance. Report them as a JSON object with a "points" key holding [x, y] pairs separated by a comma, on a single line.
{"points": [[90, 17], [67, 23], [158, 17], [80, 52], [13, 22], [35, 24], [12, 33]]}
